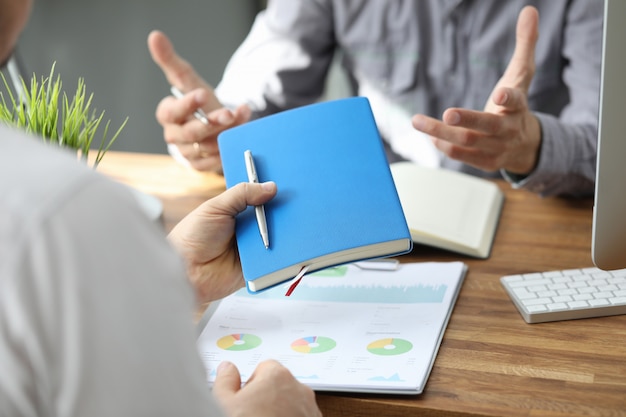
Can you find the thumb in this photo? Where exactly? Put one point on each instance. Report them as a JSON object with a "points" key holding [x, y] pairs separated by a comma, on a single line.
{"points": [[177, 70], [227, 382], [260, 193], [235, 199], [521, 69]]}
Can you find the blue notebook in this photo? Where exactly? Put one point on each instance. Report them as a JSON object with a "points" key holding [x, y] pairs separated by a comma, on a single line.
{"points": [[336, 201]]}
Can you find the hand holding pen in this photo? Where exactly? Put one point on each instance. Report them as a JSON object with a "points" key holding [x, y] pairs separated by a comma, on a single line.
{"points": [[221, 117], [180, 129], [202, 153], [198, 114]]}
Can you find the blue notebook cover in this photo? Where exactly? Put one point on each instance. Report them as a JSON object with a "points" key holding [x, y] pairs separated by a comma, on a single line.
{"points": [[336, 200]]}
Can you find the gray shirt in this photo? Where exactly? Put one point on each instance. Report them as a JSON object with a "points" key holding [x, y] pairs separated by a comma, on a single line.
{"points": [[412, 56]]}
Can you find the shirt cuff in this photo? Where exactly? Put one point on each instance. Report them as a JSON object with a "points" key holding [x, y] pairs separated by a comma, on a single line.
{"points": [[540, 178]]}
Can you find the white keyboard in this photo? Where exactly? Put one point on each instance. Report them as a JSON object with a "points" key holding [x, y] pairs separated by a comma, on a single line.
{"points": [[567, 294]]}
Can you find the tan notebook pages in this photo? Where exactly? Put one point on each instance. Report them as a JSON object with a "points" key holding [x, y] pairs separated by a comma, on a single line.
{"points": [[449, 210]]}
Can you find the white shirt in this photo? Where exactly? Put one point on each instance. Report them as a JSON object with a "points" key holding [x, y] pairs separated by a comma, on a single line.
{"points": [[95, 309]]}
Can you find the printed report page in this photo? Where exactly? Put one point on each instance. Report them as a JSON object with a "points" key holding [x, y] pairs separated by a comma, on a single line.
{"points": [[342, 329]]}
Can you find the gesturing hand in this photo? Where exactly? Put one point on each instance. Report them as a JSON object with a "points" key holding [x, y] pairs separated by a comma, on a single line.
{"points": [[506, 135], [196, 141]]}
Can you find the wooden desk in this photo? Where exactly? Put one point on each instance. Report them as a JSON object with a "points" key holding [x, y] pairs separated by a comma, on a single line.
{"points": [[491, 363]]}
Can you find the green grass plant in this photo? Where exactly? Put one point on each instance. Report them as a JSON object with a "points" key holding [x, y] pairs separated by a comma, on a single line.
{"points": [[44, 109]]}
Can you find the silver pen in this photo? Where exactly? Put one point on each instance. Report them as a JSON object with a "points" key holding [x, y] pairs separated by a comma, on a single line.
{"points": [[258, 210], [198, 114]]}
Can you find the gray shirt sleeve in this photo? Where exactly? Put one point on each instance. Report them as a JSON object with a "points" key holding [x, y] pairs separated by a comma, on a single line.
{"points": [[567, 161], [413, 57]]}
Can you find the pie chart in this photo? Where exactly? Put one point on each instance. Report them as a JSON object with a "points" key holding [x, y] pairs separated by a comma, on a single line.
{"points": [[313, 344], [389, 346], [240, 341]]}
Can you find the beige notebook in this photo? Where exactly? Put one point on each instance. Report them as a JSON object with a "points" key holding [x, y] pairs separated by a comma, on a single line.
{"points": [[447, 209]]}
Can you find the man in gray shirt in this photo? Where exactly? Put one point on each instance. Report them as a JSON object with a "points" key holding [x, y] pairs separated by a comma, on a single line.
{"points": [[429, 68]]}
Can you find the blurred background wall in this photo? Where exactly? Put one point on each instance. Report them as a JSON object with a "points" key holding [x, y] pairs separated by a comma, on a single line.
{"points": [[104, 42]]}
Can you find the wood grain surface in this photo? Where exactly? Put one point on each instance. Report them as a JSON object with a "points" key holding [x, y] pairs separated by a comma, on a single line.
{"points": [[491, 363]]}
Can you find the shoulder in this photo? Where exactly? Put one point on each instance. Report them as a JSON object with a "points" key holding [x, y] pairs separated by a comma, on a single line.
{"points": [[79, 258], [48, 197], [34, 173]]}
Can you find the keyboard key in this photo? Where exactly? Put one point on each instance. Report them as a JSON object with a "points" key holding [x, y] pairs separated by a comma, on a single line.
{"points": [[577, 304], [618, 300], [557, 306], [567, 294], [599, 302], [537, 309]]}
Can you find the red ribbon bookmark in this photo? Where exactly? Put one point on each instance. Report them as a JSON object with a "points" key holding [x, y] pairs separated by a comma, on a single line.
{"points": [[297, 280]]}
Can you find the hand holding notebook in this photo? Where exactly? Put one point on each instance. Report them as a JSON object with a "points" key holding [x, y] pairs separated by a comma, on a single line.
{"points": [[336, 200]]}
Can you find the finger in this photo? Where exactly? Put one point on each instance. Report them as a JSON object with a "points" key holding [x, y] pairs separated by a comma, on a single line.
{"points": [[223, 117], [521, 68], [272, 369], [199, 150], [226, 118], [202, 156], [471, 156], [474, 136], [510, 99], [177, 70], [235, 199], [437, 129], [227, 381], [483, 122], [180, 127], [243, 114], [208, 146], [187, 133], [178, 111], [211, 163]]}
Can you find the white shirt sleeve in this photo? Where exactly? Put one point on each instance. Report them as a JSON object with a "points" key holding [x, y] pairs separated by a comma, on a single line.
{"points": [[277, 68], [96, 314]]}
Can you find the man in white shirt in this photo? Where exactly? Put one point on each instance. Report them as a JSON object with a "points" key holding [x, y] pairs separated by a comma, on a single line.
{"points": [[96, 308]]}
